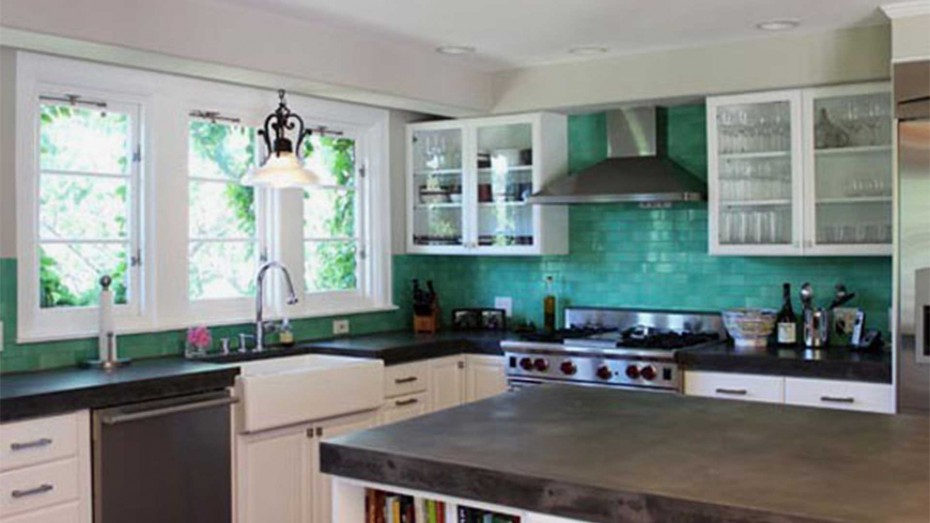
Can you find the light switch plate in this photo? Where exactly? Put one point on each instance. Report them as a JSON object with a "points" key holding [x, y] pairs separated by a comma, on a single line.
{"points": [[340, 326], [506, 303]]}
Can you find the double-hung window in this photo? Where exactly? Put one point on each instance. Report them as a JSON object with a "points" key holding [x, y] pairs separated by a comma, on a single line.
{"points": [[86, 221]]}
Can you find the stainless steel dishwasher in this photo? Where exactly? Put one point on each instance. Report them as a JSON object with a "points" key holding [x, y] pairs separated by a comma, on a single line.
{"points": [[164, 460]]}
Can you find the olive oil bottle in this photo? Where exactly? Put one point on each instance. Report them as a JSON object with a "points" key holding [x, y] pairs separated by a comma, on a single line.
{"points": [[549, 306]]}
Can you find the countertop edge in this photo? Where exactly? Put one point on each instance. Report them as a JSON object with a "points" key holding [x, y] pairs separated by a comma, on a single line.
{"points": [[541, 495]]}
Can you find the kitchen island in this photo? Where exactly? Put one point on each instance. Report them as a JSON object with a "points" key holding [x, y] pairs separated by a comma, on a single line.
{"points": [[604, 455]]}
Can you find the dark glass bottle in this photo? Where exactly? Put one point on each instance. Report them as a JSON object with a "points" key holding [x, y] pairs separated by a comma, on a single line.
{"points": [[786, 323], [549, 306]]}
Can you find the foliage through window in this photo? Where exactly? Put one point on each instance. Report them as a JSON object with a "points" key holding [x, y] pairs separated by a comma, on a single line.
{"points": [[86, 227], [331, 236], [223, 244]]}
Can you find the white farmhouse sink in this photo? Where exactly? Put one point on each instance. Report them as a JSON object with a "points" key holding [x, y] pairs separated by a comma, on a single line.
{"points": [[296, 389]]}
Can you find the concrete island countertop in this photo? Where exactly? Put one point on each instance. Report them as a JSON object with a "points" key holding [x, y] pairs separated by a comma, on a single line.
{"points": [[606, 455]]}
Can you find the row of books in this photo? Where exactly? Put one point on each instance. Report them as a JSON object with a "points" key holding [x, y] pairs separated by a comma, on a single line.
{"points": [[474, 515], [385, 507]]}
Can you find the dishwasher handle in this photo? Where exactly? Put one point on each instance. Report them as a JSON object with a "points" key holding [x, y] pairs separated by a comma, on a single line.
{"points": [[116, 419]]}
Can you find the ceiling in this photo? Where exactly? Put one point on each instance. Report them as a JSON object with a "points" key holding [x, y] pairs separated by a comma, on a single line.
{"points": [[515, 33]]}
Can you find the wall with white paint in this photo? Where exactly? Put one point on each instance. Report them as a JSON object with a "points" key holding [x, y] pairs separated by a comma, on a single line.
{"points": [[910, 38], [851, 55]]}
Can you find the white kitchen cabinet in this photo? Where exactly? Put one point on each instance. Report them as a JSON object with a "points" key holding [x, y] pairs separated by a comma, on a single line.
{"points": [[800, 172], [840, 394], [734, 386], [446, 382], [45, 470], [405, 407], [278, 474], [468, 181], [485, 376]]}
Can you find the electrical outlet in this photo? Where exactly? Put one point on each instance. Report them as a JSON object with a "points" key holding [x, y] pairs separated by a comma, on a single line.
{"points": [[506, 303], [340, 327]]}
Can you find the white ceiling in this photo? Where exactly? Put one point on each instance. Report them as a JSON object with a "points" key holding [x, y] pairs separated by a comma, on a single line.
{"points": [[513, 33]]}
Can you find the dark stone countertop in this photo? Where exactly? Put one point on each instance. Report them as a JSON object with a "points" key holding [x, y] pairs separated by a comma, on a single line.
{"points": [[839, 363], [30, 394], [607, 455], [24, 395]]}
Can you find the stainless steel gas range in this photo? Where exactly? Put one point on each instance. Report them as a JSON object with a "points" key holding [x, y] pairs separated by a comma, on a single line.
{"points": [[625, 348]]}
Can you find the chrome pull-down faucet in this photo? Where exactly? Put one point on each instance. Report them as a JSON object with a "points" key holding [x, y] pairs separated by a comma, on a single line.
{"points": [[260, 299]]}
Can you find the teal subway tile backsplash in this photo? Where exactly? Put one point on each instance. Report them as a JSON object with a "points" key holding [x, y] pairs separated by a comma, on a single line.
{"points": [[620, 255]]}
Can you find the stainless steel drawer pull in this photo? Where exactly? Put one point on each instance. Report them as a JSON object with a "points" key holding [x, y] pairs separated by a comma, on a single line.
{"points": [[832, 399], [153, 413], [401, 381], [41, 442], [41, 489], [404, 403], [733, 392]]}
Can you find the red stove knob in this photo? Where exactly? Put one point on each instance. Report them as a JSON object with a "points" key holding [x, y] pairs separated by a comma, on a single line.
{"points": [[648, 373], [568, 367], [541, 365], [526, 364], [632, 372], [604, 372]]}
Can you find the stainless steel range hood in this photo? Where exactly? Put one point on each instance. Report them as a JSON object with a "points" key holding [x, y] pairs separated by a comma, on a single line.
{"points": [[636, 170]]}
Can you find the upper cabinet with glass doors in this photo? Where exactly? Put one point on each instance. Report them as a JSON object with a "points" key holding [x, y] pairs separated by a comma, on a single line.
{"points": [[801, 172], [469, 181]]}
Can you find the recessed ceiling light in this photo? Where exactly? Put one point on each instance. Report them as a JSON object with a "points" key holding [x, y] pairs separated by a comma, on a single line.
{"points": [[778, 25], [455, 49], [587, 50]]}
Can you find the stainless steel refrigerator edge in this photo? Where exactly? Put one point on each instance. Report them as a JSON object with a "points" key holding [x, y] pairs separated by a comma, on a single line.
{"points": [[912, 97]]}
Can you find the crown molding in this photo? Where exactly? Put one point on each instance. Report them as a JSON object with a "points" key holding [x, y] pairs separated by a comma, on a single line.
{"points": [[906, 9]]}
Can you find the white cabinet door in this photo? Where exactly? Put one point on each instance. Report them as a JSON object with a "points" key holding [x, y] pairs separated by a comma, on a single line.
{"points": [[755, 166], [405, 407], [468, 183], [840, 394], [274, 476], [485, 377], [848, 166], [733, 386], [446, 382], [323, 483]]}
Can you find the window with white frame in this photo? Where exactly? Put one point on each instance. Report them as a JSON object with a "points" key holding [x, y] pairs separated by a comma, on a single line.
{"points": [[332, 234], [88, 210], [223, 224], [114, 176]]}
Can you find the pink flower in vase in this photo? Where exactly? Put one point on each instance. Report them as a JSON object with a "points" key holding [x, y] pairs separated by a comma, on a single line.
{"points": [[199, 337]]}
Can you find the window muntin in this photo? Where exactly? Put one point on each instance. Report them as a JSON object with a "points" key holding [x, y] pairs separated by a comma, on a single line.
{"points": [[86, 206], [223, 236], [331, 233]]}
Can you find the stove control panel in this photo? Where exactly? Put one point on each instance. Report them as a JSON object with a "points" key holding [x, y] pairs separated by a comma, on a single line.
{"points": [[597, 370]]}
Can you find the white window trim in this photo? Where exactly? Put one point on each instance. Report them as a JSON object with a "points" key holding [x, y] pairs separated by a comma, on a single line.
{"points": [[165, 102]]}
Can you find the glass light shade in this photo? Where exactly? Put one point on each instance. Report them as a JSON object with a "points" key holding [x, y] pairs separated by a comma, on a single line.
{"points": [[281, 171]]}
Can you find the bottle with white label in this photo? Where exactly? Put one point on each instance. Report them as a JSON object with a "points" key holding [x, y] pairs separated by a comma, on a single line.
{"points": [[786, 323]]}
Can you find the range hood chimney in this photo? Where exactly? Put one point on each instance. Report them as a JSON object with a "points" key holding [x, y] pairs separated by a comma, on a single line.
{"points": [[636, 169]]}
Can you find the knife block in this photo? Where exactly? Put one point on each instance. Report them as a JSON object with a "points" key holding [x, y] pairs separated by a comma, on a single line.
{"points": [[428, 324]]}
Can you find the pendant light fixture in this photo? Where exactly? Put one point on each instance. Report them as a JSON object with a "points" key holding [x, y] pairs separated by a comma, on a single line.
{"points": [[283, 168]]}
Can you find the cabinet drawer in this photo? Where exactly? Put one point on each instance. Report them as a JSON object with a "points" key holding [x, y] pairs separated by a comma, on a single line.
{"points": [[746, 387], [840, 394], [405, 379], [405, 407], [39, 440], [68, 513], [38, 486]]}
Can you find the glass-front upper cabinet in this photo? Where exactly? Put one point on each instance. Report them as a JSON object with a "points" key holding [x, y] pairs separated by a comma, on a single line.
{"points": [[801, 172], [755, 164], [849, 154], [436, 158], [469, 181]]}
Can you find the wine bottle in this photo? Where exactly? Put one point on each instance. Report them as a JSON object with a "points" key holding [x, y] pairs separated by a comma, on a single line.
{"points": [[786, 323], [549, 306]]}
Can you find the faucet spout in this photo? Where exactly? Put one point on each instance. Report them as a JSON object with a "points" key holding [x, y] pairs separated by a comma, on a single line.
{"points": [[260, 298]]}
